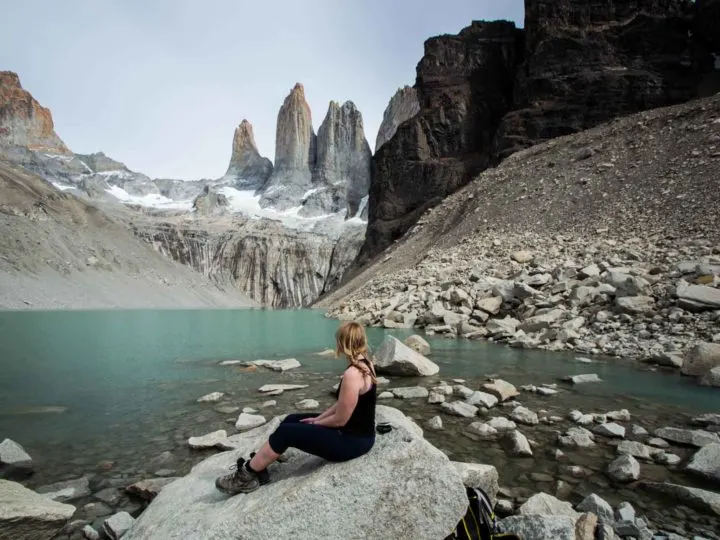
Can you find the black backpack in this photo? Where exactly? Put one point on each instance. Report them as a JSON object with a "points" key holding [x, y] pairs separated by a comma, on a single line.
{"points": [[479, 522]]}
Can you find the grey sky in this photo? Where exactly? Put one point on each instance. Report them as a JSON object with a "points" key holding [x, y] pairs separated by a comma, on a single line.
{"points": [[162, 84]]}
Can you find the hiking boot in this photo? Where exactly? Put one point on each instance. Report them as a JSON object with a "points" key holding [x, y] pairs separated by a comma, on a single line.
{"points": [[241, 480]]}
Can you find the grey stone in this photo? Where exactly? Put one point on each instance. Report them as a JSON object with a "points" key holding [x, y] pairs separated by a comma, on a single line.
{"points": [[622, 415], [385, 395], [476, 475], [460, 408], [625, 512], [482, 398], [544, 504], [502, 424], [209, 440], [483, 431], [322, 493], [14, 457], [598, 506], [701, 358], [517, 444], [700, 499], [68, 490], [658, 442], [501, 389], [502, 327], [227, 409], [697, 297], [576, 437], [109, 496], [434, 398], [117, 525], [523, 415], [666, 458], [25, 514], [610, 429], [711, 378], [635, 449], [635, 305], [539, 526], [490, 305], [638, 431], [90, 533], [697, 437], [268, 403], [212, 397], [249, 410], [395, 358], [541, 322], [410, 392], [418, 344], [706, 462], [625, 284], [624, 469], [462, 391], [249, 421], [267, 388]]}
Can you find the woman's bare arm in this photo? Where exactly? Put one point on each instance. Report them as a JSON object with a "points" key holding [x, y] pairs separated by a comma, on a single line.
{"points": [[353, 382]]}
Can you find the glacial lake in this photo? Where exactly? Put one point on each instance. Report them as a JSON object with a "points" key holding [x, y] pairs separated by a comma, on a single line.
{"points": [[78, 388]]}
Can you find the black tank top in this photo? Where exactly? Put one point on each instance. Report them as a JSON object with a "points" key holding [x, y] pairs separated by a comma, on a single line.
{"points": [[362, 420]]}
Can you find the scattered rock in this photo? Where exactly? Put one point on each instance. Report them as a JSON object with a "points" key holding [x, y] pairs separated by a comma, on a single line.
{"points": [[410, 392], [209, 440], [476, 475], [544, 504], [395, 358], [635, 449], [658, 442], [385, 395], [624, 469], [706, 462], [700, 499], [249, 421], [697, 297], [212, 397], [701, 358], [227, 409], [557, 527], [434, 398], [581, 379], [268, 403], [90, 533], [585, 527], [490, 305], [625, 512], [610, 430], [502, 390], [696, 437], [305, 404], [460, 408], [522, 256], [110, 496], [517, 444], [576, 437], [116, 526], [711, 378], [418, 344], [277, 365], [482, 399], [148, 489], [502, 424], [635, 305], [435, 423], [268, 388], [598, 506], [483, 431], [619, 416], [69, 490], [26, 515], [523, 415], [14, 460]]}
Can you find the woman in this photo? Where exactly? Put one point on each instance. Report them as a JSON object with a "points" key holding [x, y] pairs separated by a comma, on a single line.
{"points": [[344, 431]]}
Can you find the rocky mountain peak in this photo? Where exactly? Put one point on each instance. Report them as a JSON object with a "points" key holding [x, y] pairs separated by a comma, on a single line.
{"points": [[23, 121], [247, 168], [403, 106], [99, 162]]}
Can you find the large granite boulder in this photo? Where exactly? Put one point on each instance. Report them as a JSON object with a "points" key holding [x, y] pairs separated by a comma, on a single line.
{"points": [[247, 170], [403, 106], [403, 488], [25, 515], [15, 462], [395, 358], [701, 358], [706, 462], [700, 499]]}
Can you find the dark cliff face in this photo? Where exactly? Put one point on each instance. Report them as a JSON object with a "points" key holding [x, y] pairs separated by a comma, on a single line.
{"points": [[493, 90], [464, 86]]}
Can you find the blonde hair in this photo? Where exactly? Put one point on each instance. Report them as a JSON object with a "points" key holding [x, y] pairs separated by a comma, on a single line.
{"points": [[351, 341]]}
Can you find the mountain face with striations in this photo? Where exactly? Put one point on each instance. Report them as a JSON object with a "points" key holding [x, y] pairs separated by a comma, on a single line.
{"points": [[403, 106], [493, 89]]}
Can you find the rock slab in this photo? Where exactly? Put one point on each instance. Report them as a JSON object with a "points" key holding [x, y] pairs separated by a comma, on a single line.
{"points": [[25, 515], [403, 488], [395, 358]]}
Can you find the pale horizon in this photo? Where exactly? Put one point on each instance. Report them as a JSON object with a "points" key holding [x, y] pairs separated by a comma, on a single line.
{"points": [[162, 87]]}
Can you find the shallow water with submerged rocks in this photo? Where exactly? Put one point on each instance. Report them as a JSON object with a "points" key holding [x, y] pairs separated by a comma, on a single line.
{"points": [[113, 396]]}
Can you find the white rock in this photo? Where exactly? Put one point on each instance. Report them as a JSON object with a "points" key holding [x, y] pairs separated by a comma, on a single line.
{"points": [[209, 440], [322, 493], [89, 533], [610, 429], [624, 469], [544, 504], [434, 398], [249, 421], [576, 437], [523, 415], [304, 405], [268, 403], [635, 304], [635, 449], [26, 515], [117, 525], [435, 423], [395, 358], [622, 415], [584, 378], [701, 358], [210, 398], [14, 456], [482, 399], [539, 526], [385, 395], [418, 344], [598, 506], [462, 391], [483, 431], [410, 392], [490, 305], [518, 444], [268, 388], [706, 463], [476, 475], [502, 424], [501, 389], [249, 410], [277, 365], [697, 437], [460, 408], [444, 389]]}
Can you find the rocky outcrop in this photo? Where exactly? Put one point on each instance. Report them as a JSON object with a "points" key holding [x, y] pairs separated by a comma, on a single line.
{"points": [[23, 121], [343, 161], [493, 90], [24, 514], [403, 106], [210, 202], [272, 264], [99, 162], [464, 86], [295, 153], [248, 170], [403, 488]]}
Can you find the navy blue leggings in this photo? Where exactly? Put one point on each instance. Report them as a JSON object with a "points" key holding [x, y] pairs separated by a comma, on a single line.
{"points": [[328, 443]]}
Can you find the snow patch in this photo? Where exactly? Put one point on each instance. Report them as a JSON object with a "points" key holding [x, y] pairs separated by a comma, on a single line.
{"points": [[153, 200], [63, 187]]}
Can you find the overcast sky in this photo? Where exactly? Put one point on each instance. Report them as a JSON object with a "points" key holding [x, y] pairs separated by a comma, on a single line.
{"points": [[162, 84]]}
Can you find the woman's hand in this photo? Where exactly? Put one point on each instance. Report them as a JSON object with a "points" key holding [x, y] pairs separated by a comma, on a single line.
{"points": [[308, 420]]}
